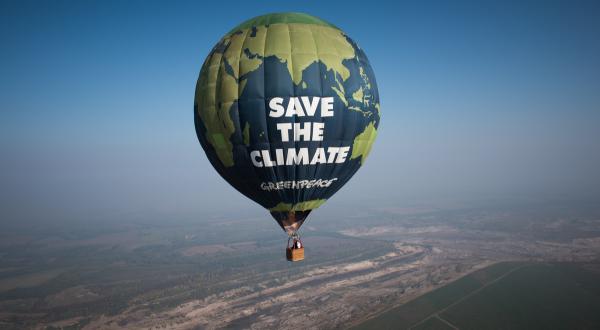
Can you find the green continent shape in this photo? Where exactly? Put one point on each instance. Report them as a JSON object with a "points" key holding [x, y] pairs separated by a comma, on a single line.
{"points": [[302, 206], [298, 45], [364, 142], [217, 89], [281, 18], [358, 95]]}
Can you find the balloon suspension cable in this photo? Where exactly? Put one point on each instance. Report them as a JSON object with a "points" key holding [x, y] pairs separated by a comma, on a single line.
{"points": [[293, 239], [294, 234]]}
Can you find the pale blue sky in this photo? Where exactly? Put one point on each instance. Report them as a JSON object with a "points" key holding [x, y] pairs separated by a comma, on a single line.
{"points": [[478, 98]]}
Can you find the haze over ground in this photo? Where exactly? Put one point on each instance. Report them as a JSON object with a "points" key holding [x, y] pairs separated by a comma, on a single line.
{"points": [[478, 99]]}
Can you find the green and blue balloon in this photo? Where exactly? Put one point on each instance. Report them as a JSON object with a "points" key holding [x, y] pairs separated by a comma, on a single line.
{"points": [[287, 110]]}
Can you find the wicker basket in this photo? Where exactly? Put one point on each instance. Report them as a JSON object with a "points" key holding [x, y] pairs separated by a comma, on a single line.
{"points": [[295, 254]]}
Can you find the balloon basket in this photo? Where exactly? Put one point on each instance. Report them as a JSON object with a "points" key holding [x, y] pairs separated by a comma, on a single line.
{"points": [[295, 250], [294, 254]]}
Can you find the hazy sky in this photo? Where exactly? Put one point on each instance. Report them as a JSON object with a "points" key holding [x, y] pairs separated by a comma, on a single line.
{"points": [[478, 98]]}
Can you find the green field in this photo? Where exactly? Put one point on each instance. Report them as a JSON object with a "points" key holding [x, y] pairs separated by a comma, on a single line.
{"points": [[506, 295]]}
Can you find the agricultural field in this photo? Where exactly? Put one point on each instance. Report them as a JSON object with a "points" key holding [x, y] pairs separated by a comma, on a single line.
{"points": [[506, 295]]}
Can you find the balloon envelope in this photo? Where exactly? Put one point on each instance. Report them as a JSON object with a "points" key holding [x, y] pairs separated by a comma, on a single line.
{"points": [[286, 109]]}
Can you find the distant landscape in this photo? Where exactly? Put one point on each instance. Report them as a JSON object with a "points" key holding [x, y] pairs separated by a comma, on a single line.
{"points": [[513, 265]]}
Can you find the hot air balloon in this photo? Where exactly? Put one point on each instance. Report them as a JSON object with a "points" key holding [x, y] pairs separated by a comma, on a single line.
{"points": [[287, 109]]}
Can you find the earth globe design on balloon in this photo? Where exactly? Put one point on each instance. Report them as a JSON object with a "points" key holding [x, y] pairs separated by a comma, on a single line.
{"points": [[287, 109]]}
